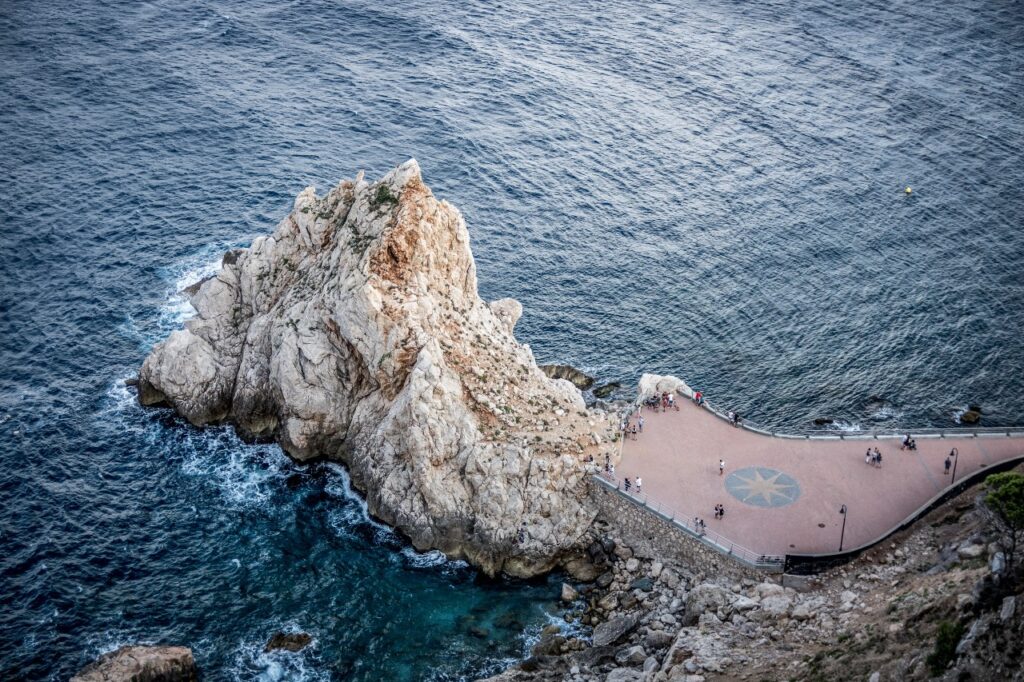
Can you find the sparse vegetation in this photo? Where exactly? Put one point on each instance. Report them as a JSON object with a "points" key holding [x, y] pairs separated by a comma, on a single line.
{"points": [[948, 637], [382, 196], [1005, 504]]}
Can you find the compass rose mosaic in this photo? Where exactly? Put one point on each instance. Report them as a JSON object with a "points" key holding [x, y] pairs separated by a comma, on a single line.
{"points": [[762, 487]]}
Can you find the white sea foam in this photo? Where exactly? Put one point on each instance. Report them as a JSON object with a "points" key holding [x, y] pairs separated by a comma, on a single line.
{"points": [[845, 426], [186, 273], [251, 662], [887, 413], [340, 485], [247, 476]]}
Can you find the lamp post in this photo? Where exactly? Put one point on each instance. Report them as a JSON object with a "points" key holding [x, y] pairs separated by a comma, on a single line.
{"points": [[954, 454], [842, 534]]}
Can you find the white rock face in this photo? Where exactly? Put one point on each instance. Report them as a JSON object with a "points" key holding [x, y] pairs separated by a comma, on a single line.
{"points": [[355, 332], [655, 384]]}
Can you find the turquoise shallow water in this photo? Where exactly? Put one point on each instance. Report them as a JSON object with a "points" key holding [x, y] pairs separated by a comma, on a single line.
{"points": [[709, 189]]}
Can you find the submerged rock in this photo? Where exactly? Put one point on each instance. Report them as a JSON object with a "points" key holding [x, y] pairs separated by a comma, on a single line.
{"points": [[141, 664], [970, 417], [288, 641], [569, 373], [355, 332], [607, 389]]}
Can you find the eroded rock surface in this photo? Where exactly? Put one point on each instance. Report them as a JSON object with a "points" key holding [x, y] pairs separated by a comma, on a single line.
{"points": [[141, 664], [355, 331]]}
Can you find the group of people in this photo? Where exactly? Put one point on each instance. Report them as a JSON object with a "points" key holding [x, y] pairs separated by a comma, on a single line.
{"points": [[665, 401], [699, 527], [630, 428], [873, 457], [734, 418], [909, 443], [629, 484]]}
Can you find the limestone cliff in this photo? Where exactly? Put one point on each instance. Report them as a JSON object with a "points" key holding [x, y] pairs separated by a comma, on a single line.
{"points": [[356, 332]]}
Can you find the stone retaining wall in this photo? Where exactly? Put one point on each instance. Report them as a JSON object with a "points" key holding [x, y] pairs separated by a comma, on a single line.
{"points": [[652, 537]]}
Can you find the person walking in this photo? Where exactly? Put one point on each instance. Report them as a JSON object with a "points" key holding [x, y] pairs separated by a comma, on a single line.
{"points": [[868, 457], [628, 484], [639, 483], [634, 431], [948, 464], [721, 467], [640, 422]]}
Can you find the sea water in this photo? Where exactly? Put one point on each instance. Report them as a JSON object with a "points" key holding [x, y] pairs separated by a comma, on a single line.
{"points": [[712, 189]]}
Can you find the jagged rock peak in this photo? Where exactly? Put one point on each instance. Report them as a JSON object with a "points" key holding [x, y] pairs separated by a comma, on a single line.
{"points": [[355, 332]]}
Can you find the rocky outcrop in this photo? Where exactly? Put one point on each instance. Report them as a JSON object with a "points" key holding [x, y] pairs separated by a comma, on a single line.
{"points": [[355, 332], [654, 384], [569, 373], [288, 641], [141, 664]]}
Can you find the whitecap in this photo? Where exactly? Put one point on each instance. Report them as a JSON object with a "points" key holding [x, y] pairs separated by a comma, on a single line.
{"points": [[844, 426], [251, 662]]}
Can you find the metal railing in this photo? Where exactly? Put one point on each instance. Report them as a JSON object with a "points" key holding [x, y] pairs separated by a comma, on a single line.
{"points": [[863, 434], [710, 538]]}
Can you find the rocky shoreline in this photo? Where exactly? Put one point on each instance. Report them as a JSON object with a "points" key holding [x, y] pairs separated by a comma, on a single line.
{"points": [[355, 332], [877, 618]]}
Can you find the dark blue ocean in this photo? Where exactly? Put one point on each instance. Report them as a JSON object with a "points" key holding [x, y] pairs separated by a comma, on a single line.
{"points": [[712, 189]]}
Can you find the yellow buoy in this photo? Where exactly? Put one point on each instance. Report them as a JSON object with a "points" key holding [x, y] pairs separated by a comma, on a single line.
{"points": [[908, 190]]}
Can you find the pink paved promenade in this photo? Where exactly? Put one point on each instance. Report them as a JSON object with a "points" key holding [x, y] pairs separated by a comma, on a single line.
{"points": [[677, 457]]}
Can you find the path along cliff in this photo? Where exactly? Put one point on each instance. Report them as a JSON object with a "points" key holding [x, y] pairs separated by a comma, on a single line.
{"points": [[355, 332]]}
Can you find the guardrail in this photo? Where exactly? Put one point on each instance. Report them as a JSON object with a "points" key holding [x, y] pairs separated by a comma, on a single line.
{"points": [[716, 541], [863, 434]]}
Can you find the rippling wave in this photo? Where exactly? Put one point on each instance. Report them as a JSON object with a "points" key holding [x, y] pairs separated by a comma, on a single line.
{"points": [[709, 189]]}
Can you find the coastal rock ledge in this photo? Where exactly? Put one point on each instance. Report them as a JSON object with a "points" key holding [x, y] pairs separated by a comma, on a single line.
{"points": [[355, 332]]}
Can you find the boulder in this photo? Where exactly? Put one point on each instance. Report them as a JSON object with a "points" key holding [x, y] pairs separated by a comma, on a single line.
{"points": [[549, 645], [634, 655], [705, 597], [742, 603], [1007, 609], [141, 664], [569, 593], [970, 417], [288, 641], [582, 569], [613, 630], [356, 332], [801, 612], [657, 639], [594, 656], [569, 373], [777, 605], [766, 589], [644, 584], [606, 390], [970, 551]]}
